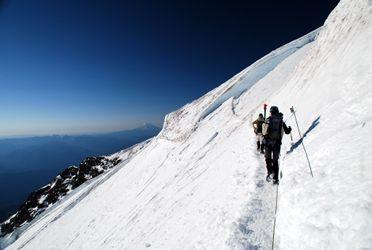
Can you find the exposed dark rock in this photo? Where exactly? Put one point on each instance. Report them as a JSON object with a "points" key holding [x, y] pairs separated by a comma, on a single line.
{"points": [[67, 180], [69, 172]]}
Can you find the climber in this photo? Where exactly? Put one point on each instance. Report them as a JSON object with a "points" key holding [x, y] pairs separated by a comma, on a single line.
{"points": [[257, 126], [272, 131]]}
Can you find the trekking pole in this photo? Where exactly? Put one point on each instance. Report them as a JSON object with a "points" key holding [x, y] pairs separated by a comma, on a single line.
{"points": [[262, 136], [303, 146], [276, 210]]}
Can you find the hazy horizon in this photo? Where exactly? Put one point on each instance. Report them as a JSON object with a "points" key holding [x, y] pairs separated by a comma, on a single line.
{"points": [[82, 133]]}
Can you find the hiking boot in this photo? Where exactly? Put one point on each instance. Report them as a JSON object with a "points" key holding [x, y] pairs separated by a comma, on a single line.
{"points": [[268, 178], [276, 182]]}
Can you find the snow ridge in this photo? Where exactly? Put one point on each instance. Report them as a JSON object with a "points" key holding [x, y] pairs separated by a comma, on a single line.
{"points": [[180, 124], [259, 69]]}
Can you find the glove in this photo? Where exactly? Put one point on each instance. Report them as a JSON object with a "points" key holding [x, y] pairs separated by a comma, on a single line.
{"points": [[289, 129]]}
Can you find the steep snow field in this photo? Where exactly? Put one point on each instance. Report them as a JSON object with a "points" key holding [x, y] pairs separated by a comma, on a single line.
{"points": [[200, 183], [334, 83]]}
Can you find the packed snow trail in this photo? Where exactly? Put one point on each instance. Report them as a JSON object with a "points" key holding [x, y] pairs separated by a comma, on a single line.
{"points": [[198, 184], [254, 228]]}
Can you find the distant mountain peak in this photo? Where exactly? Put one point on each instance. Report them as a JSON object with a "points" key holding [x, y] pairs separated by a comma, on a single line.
{"points": [[146, 125]]}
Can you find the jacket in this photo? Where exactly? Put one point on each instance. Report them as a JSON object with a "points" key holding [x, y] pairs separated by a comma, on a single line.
{"points": [[257, 125]]}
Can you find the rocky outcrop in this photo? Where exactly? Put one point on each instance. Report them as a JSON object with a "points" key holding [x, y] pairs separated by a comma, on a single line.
{"points": [[69, 179]]}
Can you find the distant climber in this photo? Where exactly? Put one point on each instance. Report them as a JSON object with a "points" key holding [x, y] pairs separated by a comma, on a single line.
{"points": [[257, 126], [272, 131]]}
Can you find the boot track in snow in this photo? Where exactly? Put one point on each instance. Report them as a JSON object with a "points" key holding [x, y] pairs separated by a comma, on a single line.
{"points": [[254, 228]]}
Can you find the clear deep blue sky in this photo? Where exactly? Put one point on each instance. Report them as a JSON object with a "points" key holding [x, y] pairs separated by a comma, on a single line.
{"points": [[77, 66]]}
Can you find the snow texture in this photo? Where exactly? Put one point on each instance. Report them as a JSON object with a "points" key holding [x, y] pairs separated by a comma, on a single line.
{"points": [[200, 184]]}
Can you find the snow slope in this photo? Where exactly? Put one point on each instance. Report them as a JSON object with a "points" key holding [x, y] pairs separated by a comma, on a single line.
{"points": [[200, 183]]}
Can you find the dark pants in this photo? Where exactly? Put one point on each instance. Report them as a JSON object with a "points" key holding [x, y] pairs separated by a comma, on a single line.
{"points": [[272, 152]]}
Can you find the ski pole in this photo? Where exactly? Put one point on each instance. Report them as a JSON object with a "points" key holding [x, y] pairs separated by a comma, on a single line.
{"points": [[303, 146], [262, 136]]}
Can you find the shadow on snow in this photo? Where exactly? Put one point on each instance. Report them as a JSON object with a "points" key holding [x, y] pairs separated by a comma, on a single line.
{"points": [[312, 126]]}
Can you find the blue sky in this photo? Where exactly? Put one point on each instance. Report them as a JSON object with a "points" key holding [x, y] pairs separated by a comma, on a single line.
{"points": [[78, 66]]}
